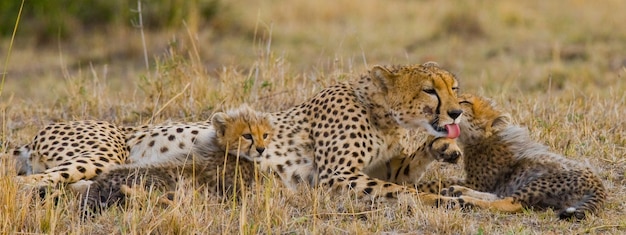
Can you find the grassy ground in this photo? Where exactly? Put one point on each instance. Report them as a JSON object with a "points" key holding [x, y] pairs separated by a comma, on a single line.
{"points": [[557, 66]]}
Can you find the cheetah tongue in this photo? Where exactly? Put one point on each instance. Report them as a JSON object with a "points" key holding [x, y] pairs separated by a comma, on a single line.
{"points": [[453, 131]]}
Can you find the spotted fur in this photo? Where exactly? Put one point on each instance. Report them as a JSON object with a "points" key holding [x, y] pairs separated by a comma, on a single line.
{"points": [[331, 139], [67, 152], [217, 165], [506, 170], [410, 169], [150, 144]]}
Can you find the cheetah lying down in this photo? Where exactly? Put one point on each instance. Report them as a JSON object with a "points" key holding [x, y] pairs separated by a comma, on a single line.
{"points": [[341, 135], [506, 170], [219, 165]]}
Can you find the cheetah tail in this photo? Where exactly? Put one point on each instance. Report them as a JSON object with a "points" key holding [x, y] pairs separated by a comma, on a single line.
{"points": [[590, 203]]}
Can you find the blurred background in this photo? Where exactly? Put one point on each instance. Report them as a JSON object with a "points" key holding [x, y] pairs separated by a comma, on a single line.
{"points": [[524, 43]]}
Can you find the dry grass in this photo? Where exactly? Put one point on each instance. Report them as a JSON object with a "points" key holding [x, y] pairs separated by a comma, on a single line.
{"points": [[558, 66]]}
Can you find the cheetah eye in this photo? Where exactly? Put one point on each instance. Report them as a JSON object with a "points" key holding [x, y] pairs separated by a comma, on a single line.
{"points": [[247, 136], [465, 102], [265, 135], [430, 91]]}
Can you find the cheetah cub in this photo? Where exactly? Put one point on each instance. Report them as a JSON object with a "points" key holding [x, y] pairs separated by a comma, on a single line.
{"points": [[215, 165], [506, 170]]}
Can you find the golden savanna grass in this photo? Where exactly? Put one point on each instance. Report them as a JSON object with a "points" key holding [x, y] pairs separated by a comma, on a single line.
{"points": [[557, 66]]}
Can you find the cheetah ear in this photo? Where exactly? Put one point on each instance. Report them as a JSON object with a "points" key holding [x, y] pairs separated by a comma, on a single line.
{"points": [[430, 64], [500, 123], [219, 121], [267, 117], [383, 77]]}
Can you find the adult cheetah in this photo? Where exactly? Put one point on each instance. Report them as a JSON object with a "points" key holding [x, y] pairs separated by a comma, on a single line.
{"points": [[505, 170], [218, 164], [335, 137]]}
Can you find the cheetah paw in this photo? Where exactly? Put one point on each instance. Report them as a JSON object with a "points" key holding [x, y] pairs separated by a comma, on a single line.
{"points": [[452, 191]]}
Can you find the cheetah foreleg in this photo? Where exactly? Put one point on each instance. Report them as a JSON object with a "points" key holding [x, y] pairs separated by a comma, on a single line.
{"points": [[507, 204], [436, 186], [457, 191]]}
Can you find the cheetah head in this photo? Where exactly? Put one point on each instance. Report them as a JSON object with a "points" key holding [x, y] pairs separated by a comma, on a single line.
{"points": [[421, 96], [481, 117], [244, 131]]}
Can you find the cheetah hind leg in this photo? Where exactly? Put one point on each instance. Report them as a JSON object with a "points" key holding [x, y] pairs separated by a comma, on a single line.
{"points": [[166, 199], [68, 172]]}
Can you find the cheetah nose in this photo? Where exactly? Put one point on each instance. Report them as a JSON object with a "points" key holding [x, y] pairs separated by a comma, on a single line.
{"points": [[260, 150], [454, 114], [454, 157]]}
